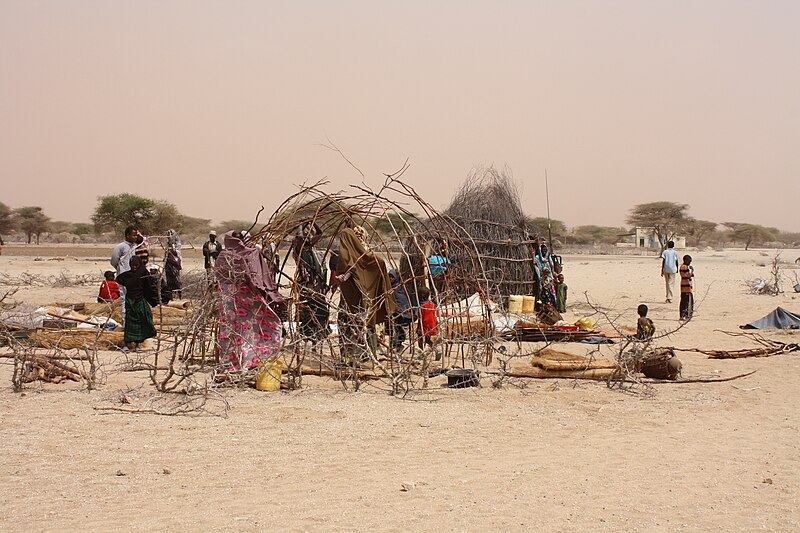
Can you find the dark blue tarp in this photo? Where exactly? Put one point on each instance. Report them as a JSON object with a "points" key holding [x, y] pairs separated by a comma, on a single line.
{"points": [[780, 318]]}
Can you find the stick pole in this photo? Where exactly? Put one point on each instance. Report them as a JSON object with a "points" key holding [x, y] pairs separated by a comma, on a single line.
{"points": [[547, 196]]}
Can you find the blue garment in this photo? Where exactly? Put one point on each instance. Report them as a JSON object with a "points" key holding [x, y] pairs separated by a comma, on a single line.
{"points": [[438, 264], [405, 298], [543, 261], [670, 256], [402, 299]]}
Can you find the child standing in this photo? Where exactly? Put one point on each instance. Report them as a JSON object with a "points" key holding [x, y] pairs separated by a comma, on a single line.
{"points": [[561, 294], [109, 289], [687, 297], [428, 326], [645, 329]]}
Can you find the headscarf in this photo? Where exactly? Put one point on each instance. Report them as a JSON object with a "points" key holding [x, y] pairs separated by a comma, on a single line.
{"points": [[239, 263], [174, 240], [361, 234]]}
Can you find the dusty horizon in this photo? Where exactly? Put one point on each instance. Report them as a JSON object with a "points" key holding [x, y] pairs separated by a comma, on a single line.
{"points": [[220, 108]]}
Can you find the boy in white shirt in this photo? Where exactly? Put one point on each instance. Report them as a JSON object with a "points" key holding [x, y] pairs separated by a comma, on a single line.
{"points": [[669, 268]]}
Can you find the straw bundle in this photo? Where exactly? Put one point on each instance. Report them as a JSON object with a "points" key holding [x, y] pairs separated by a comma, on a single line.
{"points": [[600, 374], [550, 359], [78, 339], [467, 327], [112, 310]]}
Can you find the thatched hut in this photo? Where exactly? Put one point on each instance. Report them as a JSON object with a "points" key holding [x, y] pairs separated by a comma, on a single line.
{"points": [[486, 214]]}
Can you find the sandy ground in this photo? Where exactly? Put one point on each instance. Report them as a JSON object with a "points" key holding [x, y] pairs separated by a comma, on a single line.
{"points": [[555, 455]]}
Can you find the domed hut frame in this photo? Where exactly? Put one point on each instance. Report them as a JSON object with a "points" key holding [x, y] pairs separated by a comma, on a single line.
{"points": [[397, 236]]}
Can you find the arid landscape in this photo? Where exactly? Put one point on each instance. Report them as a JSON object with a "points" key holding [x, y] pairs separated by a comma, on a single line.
{"points": [[360, 210], [537, 455]]}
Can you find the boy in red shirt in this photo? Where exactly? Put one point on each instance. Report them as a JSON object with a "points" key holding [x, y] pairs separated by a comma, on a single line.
{"points": [[109, 289], [428, 326]]}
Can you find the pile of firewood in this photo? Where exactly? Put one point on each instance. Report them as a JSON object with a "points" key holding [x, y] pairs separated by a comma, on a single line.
{"points": [[44, 368]]}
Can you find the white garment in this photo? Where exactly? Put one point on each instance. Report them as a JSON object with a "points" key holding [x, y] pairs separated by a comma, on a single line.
{"points": [[121, 256], [669, 279], [122, 292], [670, 257]]}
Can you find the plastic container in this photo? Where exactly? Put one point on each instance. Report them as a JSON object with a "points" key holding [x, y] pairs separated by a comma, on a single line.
{"points": [[269, 375], [515, 304], [528, 305]]}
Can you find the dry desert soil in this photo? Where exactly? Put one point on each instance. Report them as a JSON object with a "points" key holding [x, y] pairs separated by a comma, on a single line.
{"points": [[540, 455]]}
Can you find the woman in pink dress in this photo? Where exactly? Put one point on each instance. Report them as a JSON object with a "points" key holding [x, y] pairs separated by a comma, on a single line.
{"points": [[249, 325]]}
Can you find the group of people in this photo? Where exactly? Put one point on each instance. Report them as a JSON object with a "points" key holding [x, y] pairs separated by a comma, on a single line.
{"points": [[253, 310], [550, 288], [139, 284], [370, 295], [548, 279], [671, 268]]}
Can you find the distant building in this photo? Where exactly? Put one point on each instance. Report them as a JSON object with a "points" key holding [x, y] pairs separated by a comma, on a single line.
{"points": [[647, 238]]}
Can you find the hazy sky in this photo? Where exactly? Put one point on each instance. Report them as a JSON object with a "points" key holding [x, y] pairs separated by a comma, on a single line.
{"points": [[220, 106]]}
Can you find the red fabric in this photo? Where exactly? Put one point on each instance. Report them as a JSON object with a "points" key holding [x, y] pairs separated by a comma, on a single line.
{"points": [[109, 290], [428, 313]]}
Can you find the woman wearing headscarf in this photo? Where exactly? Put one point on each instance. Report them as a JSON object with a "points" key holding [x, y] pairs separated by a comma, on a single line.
{"points": [[541, 261], [139, 296], [366, 292], [250, 328], [172, 271], [311, 281]]}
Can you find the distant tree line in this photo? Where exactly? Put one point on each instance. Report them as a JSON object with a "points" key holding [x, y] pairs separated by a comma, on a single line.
{"points": [[668, 220], [111, 215], [154, 217]]}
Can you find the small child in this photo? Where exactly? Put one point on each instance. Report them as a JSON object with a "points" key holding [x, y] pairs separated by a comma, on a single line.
{"points": [[109, 289], [548, 295], [645, 329], [428, 326], [687, 297], [561, 294]]}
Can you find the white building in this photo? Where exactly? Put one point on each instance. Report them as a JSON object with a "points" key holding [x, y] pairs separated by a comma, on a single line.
{"points": [[647, 238]]}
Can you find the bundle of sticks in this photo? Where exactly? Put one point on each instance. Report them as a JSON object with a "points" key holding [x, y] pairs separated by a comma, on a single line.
{"points": [[768, 348], [43, 368]]}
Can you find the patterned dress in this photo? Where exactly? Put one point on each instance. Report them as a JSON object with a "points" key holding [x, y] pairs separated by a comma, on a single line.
{"points": [[249, 330]]}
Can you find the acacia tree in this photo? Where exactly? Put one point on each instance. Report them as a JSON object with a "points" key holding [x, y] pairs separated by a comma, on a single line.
{"points": [[392, 222], [116, 211], [751, 233], [32, 221], [557, 227], [698, 229], [666, 219], [7, 222]]}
